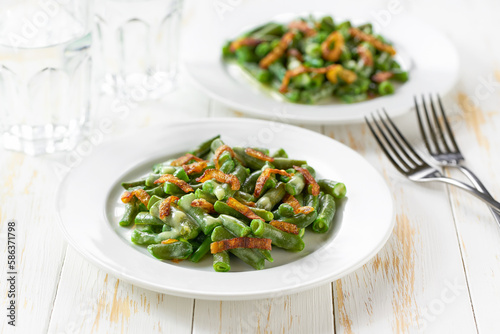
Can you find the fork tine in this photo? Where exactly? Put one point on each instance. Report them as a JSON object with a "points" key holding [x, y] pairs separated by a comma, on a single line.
{"points": [[393, 136], [438, 124], [382, 146], [429, 124], [447, 125], [410, 148], [421, 126]]}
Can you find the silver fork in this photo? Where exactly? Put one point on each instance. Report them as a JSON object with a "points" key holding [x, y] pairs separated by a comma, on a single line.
{"points": [[444, 148], [402, 155]]}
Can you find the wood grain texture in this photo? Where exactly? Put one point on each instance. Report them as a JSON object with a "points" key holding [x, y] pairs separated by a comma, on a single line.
{"points": [[91, 301], [27, 195]]}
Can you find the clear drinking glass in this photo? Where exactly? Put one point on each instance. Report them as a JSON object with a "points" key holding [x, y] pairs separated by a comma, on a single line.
{"points": [[44, 73], [137, 46]]}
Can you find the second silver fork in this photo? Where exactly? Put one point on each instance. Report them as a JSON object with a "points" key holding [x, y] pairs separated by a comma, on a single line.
{"points": [[444, 148]]}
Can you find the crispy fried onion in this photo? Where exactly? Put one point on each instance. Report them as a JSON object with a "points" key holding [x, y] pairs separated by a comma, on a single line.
{"points": [[244, 41], [244, 242], [218, 153], [295, 53], [379, 45], [261, 181], [365, 55], [169, 241], [258, 155], [381, 76], [203, 204], [284, 226], [247, 203], [309, 180], [185, 159], [243, 209], [302, 27], [165, 206], [141, 195], [221, 177], [337, 71], [333, 53], [333, 72], [178, 182], [195, 167], [294, 203], [278, 50]]}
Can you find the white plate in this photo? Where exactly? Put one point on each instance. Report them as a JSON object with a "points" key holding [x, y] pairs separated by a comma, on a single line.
{"points": [[430, 57], [90, 209]]}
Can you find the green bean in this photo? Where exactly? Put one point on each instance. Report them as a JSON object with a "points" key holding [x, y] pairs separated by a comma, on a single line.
{"points": [[216, 143], [278, 70], [264, 214], [227, 167], [313, 50], [300, 199], [172, 189], [285, 163], [133, 184], [223, 191], [151, 178], [209, 186], [311, 200], [258, 73], [157, 191], [285, 210], [200, 193], [263, 49], [202, 250], [400, 75], [251, 257], [271, 197], [180, 222], [176, 250], [335, 189], [249, 185], [131, 210], [296, 184], [143, 238], [206, 222], [180, 173], [222, 208], [245, 54], [273, 29], [327, 24], [251, 162], [385, 88], [280, 153], [278, 237], [326, 212], [145, 218], [221, 262], [243, 196], [235, 226], [204, 147], [240, 172], [300, 219]]}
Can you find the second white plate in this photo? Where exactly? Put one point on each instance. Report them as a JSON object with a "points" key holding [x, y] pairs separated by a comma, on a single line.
{"points": [[429, 55]]}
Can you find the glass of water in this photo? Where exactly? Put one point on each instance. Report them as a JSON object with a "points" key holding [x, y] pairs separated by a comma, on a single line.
{"points": [[137, 46], [44, 73]]}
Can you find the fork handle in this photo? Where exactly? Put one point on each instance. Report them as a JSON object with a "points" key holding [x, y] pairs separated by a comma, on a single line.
{"points": [[480, 186], [473, 191]]}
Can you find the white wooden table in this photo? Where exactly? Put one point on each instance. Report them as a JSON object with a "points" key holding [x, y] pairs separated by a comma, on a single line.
{"points": [[438, 273]]}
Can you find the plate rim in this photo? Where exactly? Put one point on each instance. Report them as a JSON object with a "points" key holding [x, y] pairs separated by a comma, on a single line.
{"points": [[220, 296]]}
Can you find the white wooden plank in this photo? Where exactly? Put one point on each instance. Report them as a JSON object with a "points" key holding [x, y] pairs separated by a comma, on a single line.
{"points": [[27, 194], [91, 301], [408, 285], [306, 312]]}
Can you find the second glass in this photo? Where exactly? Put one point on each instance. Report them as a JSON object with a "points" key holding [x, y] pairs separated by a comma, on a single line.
{"points": [[137, 46]]}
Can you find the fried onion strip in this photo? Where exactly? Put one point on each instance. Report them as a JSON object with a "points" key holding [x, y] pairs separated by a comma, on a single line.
{"points": [[221, 177], [244, 242], [333, 54], [178, 182], [165, 206], [294, 203], [284, 226], [258, 155], [302, 27], [203, 204], [218, 153], [261, 181], [169, 241], [245, 41], [379, 45], [195, 167], [243, 209], [333, 72], [381, 76], [140, 194], [278, 50], [365, 55], [309, 180], [185, 159]]}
